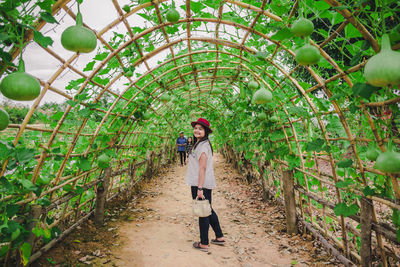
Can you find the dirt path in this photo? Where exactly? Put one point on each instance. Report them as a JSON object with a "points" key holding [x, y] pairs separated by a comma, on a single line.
{"points": [[165, 236], [158, 229]]}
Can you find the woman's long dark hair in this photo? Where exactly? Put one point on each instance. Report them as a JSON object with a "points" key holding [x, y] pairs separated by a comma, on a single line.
{"points": [[205, 138]]}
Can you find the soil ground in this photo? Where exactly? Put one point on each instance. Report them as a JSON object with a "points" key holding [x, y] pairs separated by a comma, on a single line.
{"points": [[157, 228]]}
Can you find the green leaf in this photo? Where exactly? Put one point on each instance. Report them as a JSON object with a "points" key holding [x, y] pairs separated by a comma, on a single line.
{"points": [[46, 5], [5, 185], [283, 34], [90, 66], [368, 191], [212, 3], [5, 56], [57, 116], [84, 164], [25, 155], [321, 5], [3, 251], [337, 96], [356, 59], [196, 7], [353, 108], [345, 183], [364, 90], [341, 7], [366, 45], [41, 39], [45, 202], [345, 163], [396, 218], [37, 231], [12, 209], [79, 190], [316, 145], [12, 226], [343, 209], [72, 103], [25, 252], [101, 56], [27, 184], [261, 55], [46, 16], [15, 234], [293, 160], [4, 36], [47, 233]]}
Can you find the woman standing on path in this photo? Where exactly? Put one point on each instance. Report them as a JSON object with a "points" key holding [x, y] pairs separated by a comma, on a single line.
{"points": [[200, 176]]}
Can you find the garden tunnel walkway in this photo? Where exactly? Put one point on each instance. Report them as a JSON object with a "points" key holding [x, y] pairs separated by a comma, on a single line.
{"points": [[156, 228], [122, 104]]}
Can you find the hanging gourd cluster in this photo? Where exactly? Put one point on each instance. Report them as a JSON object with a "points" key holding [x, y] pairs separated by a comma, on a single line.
{"points": [[21, 86], [307, 54], [388, 161]]}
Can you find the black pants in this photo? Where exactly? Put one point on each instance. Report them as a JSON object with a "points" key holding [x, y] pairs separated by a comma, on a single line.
{"points": [[205, 222], [182, 154]]}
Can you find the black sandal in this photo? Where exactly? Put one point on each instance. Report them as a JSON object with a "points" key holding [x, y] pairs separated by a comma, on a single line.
{"points": [[218, 242], [196, 245]]}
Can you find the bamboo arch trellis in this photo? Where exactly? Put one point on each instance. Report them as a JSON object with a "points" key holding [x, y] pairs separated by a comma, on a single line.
{"points": [[127, 131]]}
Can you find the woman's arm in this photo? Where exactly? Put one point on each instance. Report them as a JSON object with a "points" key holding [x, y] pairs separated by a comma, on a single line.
{"points": [[202, 173]]}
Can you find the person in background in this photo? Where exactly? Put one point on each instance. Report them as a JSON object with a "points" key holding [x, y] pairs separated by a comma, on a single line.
{"points": [[189, 146], [181, 143]]}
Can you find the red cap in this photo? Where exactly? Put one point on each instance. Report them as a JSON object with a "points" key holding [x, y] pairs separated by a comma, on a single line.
{"points": [[202, 122]]}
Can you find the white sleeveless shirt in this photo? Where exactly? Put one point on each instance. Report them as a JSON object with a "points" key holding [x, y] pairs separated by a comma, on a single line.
{"points": [[192, 174]]}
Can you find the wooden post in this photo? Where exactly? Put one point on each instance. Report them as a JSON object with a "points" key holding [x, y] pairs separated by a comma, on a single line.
{"points": [[173, 151], [101, 198], [366, 217], [150, 165], [34, 214], [290, 203], [261, 167], [227, 154], [132, 174]]}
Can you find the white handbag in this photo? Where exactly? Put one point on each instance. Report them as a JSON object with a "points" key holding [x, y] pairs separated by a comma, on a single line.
{"points": [[201, 207]]}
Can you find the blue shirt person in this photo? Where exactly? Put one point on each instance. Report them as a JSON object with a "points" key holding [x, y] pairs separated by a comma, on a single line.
{"points": [[181, 143]]}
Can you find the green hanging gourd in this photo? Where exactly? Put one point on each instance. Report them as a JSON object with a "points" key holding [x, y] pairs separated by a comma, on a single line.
{"points": [[173, 15], [253, 85], [4, 119], [20, 85], [274, 118], [302, 27], [262, 116], [165, 97], [146, 115], [388, 161], [78, 38], [384, 68], [372, 153], [307, 55], [216, 91], [262, 96]]}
